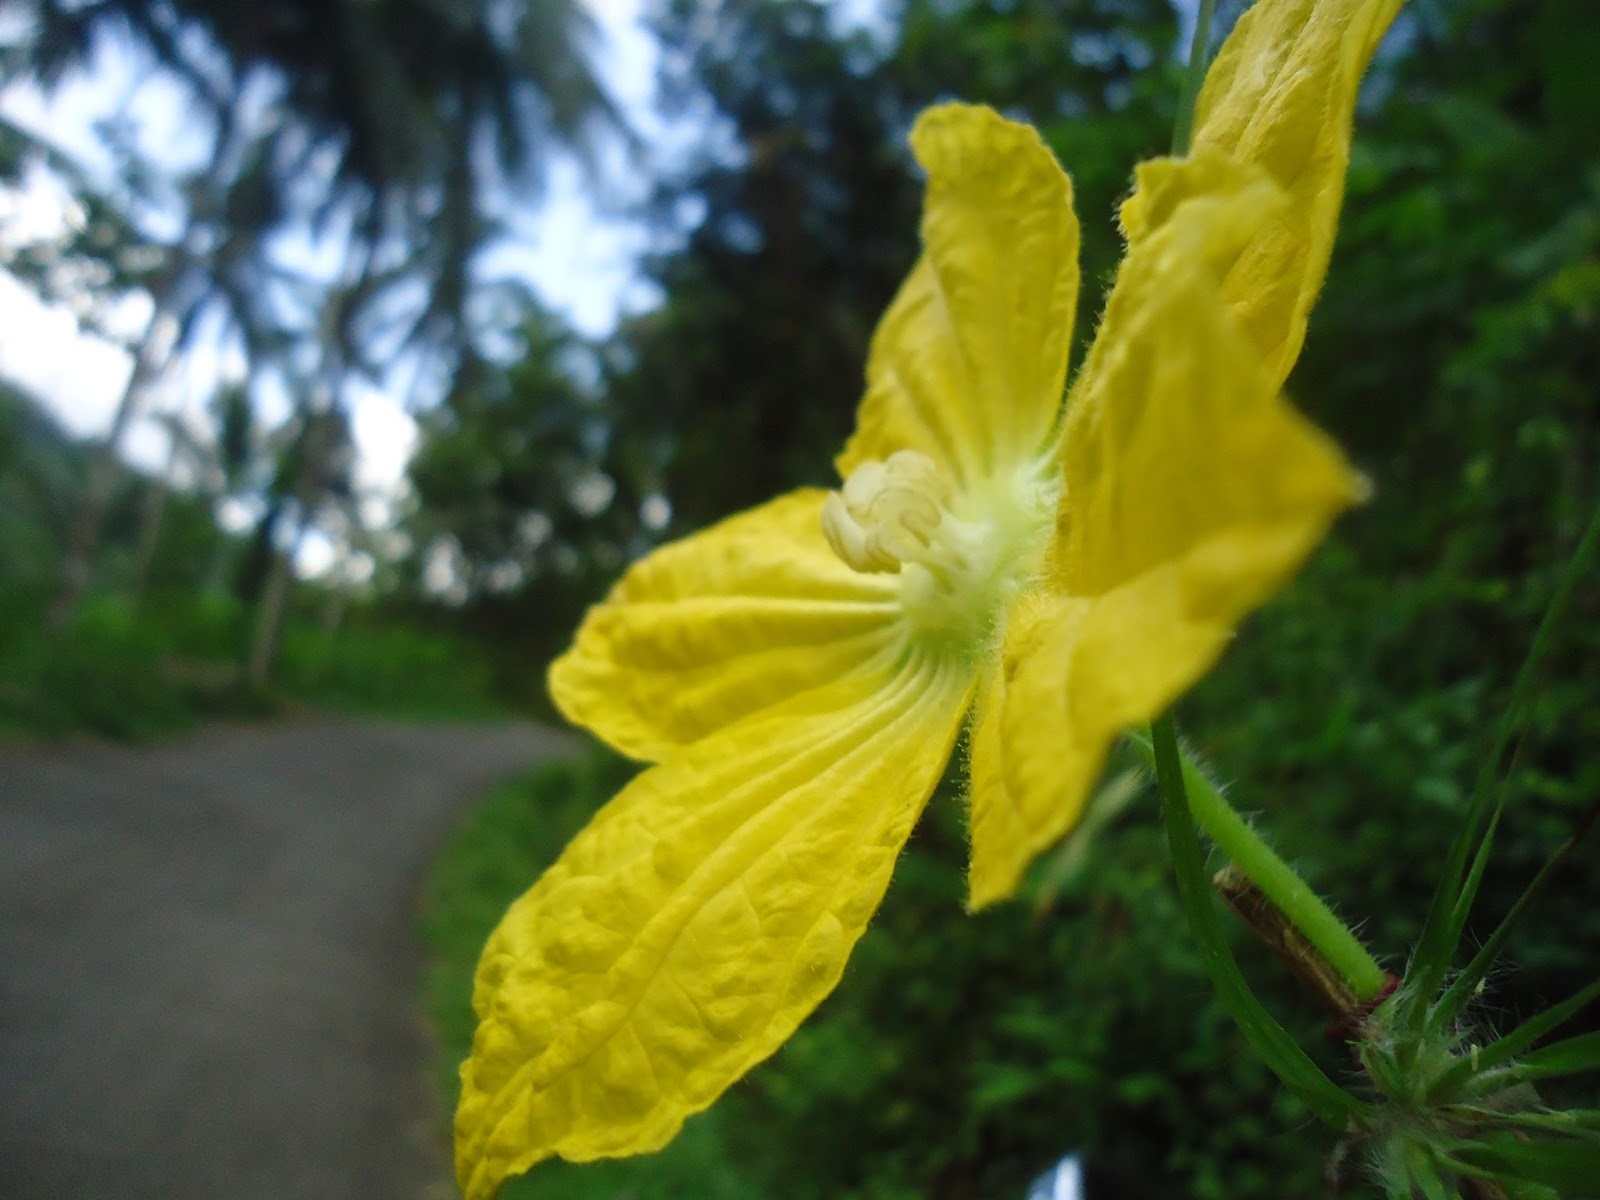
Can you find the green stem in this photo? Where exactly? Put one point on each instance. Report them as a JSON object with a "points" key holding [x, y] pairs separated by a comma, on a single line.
{"points": [[1303, 908], [1183, 124]]}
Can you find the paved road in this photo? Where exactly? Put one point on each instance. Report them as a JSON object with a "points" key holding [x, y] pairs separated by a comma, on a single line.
{"points": [[208, 973]]}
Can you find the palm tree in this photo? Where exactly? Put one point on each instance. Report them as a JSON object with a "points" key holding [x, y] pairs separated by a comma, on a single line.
{"points": [[402, 96], [317, 463], [317, 470], [218, 267]]}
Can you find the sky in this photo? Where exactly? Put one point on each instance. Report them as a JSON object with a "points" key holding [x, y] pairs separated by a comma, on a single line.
{"points": [[578, 248]]}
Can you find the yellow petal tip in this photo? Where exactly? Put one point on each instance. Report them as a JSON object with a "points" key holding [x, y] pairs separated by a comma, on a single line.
{"points": [[985, 889]]}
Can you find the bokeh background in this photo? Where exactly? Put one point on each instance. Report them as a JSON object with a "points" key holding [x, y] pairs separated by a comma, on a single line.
{"points": [[351, 349]]}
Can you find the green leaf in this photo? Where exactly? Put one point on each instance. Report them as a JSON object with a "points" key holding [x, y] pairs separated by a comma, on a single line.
{"points": [[1568, 1165], [1432, 1187], [1004, 1086], [1462, 987], [1282, 1053], [1576, 1054], [1520, 1039], [1579, 1122], [1452, 901], [1425, 1176]]}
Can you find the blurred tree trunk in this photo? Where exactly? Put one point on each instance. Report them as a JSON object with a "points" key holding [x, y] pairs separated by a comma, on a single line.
{"points": [[84, 539], [322, 453], [274, 600], [216, 573], [334, 608], [152, 512], [358, 540], [269, 613], [311, 479]]}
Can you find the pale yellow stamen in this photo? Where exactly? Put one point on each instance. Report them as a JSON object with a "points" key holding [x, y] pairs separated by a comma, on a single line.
{"points": [[960, 556], [889, 514]]}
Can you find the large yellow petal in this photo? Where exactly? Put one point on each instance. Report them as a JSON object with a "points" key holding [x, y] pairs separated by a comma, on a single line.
{"points": [[1030, 774], [968, 364], [1281, 96], [711, 629], [1177, 443], [1192, 492], [701, 915], [1075, 673]]}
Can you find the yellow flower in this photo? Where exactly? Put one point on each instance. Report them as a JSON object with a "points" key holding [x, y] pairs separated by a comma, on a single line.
{"points": [[802, 671]]}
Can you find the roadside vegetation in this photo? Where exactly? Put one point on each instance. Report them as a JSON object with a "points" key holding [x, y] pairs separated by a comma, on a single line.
{"points": [[165, 639]]}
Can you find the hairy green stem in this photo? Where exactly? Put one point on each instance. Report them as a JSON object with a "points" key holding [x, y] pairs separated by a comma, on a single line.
{"points": [[1287, 1059], [1303, 908]]}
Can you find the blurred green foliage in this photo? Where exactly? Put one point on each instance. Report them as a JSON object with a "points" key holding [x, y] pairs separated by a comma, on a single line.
{"points": [[137, 666], [175, 661], [1455, 352]]}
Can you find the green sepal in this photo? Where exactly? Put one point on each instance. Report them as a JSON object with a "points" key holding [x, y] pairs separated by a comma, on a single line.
{"points": [[1503, 1050], [1568, 1165], [1570, 1057]]}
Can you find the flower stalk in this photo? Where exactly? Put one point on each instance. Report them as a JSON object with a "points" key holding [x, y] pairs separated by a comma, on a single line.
{"points": [[1303, 908], [1331, 1103], [1277, 881]]}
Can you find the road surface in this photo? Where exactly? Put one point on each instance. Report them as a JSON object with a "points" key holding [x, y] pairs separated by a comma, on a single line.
{"points": [[209, 973]]}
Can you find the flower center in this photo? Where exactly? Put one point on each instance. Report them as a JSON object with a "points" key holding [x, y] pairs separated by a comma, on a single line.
{"points": [[962, 555]]}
